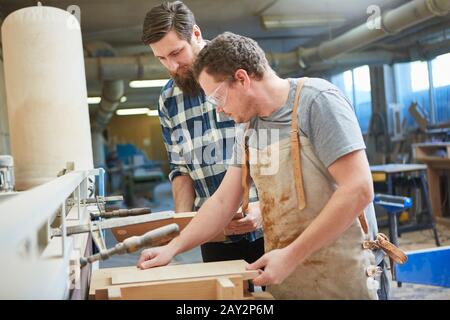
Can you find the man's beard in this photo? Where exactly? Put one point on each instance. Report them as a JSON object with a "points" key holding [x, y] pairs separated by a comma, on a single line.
{"points": [[187, 83]]}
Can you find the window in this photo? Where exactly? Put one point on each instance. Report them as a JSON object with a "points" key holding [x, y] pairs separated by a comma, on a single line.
{"points": [[412, 81], [441, 84], [355, 84], [363, 99], [412, 85]]}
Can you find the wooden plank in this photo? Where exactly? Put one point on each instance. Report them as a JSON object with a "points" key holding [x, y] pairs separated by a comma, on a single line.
{"points": [[114, 294], [101, 278], [395, 168], [434, 191], [181, 219], [431, 144], [192, 289], [442, 163], [186, 289], [185, 271], [225, 289], [264, 295]]}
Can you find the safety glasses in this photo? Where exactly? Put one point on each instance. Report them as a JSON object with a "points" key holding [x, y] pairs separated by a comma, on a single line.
{"points": [[219, 96]]}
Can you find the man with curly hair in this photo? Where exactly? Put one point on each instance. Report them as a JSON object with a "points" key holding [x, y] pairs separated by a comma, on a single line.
{"points": [[316, 191]]}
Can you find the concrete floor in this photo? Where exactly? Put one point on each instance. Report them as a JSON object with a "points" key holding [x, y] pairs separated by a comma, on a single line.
{"points": [[408, 241], [416, 241]]}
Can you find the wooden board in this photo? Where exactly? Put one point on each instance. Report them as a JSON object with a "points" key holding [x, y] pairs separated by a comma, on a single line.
{"points": [[181, 219], [185, 271], [430, 151], [397, 168], [170, 280], [222, 288]]}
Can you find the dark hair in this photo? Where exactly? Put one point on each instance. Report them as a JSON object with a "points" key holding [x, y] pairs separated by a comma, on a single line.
{"points": [[161, 19], [228, 52]]}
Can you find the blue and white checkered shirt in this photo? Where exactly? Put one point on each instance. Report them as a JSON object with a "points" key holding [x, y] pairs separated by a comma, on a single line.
{"points": [[198, 143]]}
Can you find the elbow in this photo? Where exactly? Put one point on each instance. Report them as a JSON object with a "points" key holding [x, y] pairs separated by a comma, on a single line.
{"points": [[365, 193]]}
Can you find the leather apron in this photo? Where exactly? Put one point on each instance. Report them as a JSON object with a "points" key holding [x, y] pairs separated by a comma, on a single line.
{"points": [[336, 271]]}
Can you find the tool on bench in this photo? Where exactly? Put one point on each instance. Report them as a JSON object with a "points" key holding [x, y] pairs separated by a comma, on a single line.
{"points": [[151, 238], [95, 228], [393, 205], [96, 224], [99, 225], [102, 213], [98, 200], [120, 213]]}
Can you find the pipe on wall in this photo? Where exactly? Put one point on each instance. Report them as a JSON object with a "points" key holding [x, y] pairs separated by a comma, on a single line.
{"points": [[125, 68], [393, 21], [112, 91]]}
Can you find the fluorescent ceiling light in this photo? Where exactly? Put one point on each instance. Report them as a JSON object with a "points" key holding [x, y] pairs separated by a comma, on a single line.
{"points": [[94, 100], [148, 83], [271, 22], [134, 111], [152, 113]]}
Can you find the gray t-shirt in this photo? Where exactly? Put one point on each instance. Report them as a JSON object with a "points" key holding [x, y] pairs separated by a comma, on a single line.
{"points": [[325, 117]]}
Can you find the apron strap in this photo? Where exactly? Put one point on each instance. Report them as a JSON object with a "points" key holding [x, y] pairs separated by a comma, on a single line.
{"points": [[363, 222], [296, 159], [245, 177], [295, 145], [296, 149], [395, 254]]}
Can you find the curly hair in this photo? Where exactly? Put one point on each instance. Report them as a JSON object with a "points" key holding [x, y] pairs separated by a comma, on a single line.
{"points": [[161, 19], [228, 52]]}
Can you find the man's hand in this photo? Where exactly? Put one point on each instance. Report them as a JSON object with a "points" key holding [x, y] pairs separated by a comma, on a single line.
{"points": [[249, 223], [278, 264], [155, 257]]}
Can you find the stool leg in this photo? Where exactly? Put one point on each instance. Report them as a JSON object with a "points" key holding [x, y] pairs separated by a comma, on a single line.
{"points": [[393, 237], [393, 229], [430, 213]]}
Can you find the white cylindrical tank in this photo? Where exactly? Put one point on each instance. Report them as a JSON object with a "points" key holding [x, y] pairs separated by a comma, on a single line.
{"points": [[46, 94]]}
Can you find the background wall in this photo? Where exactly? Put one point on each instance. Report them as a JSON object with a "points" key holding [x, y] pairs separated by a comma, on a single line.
{"points": [[142, 131]]}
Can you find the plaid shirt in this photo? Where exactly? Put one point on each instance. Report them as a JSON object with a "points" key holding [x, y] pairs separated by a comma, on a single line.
{"points": [[197, 142]]}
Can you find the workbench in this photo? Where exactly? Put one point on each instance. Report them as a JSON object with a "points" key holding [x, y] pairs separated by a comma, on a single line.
{"points": [[35, 264], [389, 173], [223, 280], [47, 236], [436, 156]]}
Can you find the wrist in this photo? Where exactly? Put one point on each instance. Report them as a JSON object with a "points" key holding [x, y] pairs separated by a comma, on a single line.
{"points": [[173, 247], [294, 254]]}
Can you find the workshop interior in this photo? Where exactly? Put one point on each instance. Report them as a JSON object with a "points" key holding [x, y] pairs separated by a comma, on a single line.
{"points": [[84, 170]]}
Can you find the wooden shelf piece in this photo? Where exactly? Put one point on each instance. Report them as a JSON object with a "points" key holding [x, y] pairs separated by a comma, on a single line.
{"points": [[199, 281], [181, 219]]}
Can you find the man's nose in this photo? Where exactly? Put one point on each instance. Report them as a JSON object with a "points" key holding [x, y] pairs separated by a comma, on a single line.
{"points": [[172, 65]]}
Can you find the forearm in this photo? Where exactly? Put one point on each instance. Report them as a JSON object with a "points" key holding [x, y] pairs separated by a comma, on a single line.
{"points": [[209, 221], [183, 193], [345, 205], [213, 216]]}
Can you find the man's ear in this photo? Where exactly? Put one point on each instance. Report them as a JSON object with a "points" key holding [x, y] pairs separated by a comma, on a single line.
{"points": [[241, 76], [196, 33]]}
